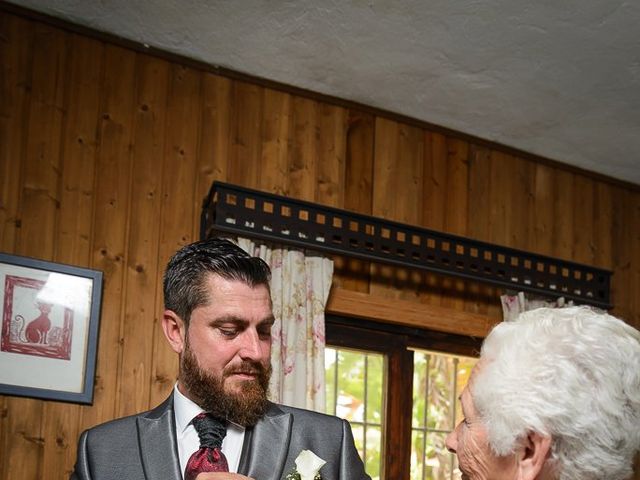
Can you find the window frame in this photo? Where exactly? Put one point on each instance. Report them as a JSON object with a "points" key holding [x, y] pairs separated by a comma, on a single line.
{"points": [[396, 342]]}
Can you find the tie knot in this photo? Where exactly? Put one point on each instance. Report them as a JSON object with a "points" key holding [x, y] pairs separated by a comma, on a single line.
{"points": [[211, 431]]}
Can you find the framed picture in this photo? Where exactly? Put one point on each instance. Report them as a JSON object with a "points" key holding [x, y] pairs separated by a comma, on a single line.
{"points": [[49, 316]]}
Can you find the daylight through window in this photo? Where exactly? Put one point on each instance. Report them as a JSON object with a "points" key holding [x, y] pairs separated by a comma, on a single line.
{"points": [[355, 380]]}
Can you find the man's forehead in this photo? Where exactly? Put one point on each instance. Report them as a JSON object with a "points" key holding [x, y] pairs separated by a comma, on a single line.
{"points": [[237, 298]]}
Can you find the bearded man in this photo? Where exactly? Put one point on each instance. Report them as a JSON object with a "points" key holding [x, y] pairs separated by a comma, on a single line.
{"points": [[217, 423]]}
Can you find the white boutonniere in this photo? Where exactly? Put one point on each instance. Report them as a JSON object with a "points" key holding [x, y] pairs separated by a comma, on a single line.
{"points": [[308, 466]]}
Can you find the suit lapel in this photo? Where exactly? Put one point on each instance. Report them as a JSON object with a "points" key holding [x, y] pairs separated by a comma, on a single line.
{"points": [[266, 446], [157, 441]]}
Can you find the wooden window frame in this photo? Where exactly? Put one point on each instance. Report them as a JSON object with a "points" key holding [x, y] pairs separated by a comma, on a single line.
{"points": [[396, 342]]}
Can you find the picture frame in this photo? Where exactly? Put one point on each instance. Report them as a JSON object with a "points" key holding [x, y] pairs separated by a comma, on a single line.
{"points": [[49, 320]]}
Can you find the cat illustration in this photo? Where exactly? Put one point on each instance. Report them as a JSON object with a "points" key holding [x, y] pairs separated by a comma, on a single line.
{"points": [[37, 329]]}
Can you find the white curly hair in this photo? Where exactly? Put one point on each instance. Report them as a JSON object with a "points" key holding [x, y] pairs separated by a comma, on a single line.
{"points": [[572, 374]]}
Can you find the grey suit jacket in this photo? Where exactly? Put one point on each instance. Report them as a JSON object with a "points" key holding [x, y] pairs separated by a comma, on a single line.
{"points": [[144, 446]]}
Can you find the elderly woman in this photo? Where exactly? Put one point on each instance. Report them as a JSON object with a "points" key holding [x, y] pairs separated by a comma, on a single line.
{"points": [[555, 396]]}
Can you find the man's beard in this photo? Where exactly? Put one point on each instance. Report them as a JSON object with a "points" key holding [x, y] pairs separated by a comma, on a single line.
{"points": [[243, 408]]}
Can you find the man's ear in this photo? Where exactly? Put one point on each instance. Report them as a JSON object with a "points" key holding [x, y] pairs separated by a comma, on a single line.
{"points": [[532, 455], [174, 329]]}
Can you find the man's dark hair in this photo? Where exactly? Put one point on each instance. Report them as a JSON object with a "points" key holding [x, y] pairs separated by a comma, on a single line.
{"points": [[187, 271]]}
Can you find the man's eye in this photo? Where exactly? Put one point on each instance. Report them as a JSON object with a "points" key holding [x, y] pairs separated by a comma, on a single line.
{"points": [[265, 333], [228, 332]]}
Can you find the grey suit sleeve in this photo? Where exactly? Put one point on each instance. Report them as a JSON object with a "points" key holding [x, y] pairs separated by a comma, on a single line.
{"points": [[81, 469], [351, 466]]}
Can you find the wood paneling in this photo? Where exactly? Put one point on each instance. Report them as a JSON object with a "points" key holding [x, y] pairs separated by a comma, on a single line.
{"points": [[303, 158], [24, 443], [332, 125], [246, 126], [390, 177], [111, 221], [106, 154], [409, 313], [177, 207], [15, 87], [357, 193], [215, 137], [142, 268], [16, 52], [276, 125], [61, 421]]}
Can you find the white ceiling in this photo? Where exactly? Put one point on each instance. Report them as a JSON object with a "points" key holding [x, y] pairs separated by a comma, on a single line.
{"points": [[559, 79]]}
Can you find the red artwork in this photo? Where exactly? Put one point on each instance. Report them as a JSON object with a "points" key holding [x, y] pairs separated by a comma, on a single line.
{"points": [[31, 326]]}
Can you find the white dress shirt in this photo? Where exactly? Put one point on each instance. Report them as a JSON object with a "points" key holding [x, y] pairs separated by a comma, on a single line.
{"points": [[187, 437]]}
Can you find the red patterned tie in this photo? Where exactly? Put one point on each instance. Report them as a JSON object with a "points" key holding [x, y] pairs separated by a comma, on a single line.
{"points": [[209, 457]]}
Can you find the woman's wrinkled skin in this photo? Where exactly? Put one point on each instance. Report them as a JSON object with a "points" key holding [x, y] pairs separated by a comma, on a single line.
{"points": [[469, 441]]}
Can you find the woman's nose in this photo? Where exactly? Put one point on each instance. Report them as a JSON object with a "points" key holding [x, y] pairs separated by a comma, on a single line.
{"points": [[451, 442]]}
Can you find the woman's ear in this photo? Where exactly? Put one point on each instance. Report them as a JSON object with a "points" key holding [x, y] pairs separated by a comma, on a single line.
{"points": [[532, 456], [174, 330]]}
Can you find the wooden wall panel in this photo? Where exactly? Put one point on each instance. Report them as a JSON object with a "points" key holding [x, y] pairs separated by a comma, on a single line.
{"points": [[177, 206], [541, 210], [358, 182], [214, 144], [435, 208], [456, 200], [359, 135], [563, 214], [42, 153], [15, 85], [15, 79], [602, 238], [275, 152], [24, 447], [246, 135], [79, 151], [142, 266], [626, 231], [480, 298], [332, 145], [634, 241], [584, 225], [303, 158], [112, 205], [106, 155], [73, 246], [393, 141]]}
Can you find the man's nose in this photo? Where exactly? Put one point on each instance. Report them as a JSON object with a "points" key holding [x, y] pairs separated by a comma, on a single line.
{"points": [[251, 345], [451, 442]]}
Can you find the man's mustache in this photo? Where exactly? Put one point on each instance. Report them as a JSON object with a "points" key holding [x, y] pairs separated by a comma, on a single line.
{"points": [[246, 368]]}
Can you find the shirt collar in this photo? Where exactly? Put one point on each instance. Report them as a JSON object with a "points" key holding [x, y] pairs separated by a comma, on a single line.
{"points": [[184, 408]]}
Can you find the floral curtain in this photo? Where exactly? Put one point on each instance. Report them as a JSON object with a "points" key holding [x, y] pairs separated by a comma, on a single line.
{"points": [[513, 304], [300, 287]]}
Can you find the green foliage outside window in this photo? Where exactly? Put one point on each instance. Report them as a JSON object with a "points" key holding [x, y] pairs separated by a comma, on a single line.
{"points": [[437, 382], [354, 391], [358, 398]]}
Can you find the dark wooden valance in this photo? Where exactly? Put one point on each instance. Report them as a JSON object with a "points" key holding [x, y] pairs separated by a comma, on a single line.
{"points": [[242, 211]]}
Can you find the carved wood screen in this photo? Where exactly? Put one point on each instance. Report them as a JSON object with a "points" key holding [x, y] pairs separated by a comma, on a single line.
{"points": [[232, 209]]}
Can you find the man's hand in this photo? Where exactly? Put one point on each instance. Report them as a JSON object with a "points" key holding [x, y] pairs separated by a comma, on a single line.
{"points": [[221, 476]]}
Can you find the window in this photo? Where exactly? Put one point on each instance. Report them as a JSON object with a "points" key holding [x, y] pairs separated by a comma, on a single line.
{"points": [[399, 389], [355, 380], [438, 380]]}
